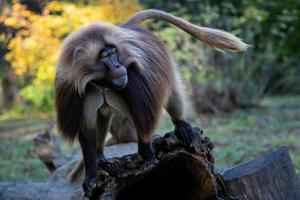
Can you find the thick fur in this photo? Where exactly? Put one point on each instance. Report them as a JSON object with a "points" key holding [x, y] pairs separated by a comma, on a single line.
{"points": [[152, 77], [68, 101], [150, 70]]}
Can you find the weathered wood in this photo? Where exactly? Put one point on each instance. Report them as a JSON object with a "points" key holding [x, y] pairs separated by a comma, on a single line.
{"points": [[271, 176], [179, 173], [48, 150]]}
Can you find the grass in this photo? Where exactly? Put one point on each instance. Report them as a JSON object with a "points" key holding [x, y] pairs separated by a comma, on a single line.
{"points": [[244, 135], [239, 136], [18, 161]]}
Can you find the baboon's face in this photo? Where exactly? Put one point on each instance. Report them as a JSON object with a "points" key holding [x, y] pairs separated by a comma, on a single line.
{"points": [[93, 54], [114, 73]]}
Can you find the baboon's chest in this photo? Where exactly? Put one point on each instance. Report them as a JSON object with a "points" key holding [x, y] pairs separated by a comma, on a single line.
{"points": [[112, 101], [104, 101]]}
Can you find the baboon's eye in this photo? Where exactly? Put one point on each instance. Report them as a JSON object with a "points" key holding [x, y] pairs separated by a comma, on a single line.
{"points": [[104, 54], [108, 51]]}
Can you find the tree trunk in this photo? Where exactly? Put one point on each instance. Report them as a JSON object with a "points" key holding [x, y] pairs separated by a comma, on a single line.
{"points": [[9, 88]]}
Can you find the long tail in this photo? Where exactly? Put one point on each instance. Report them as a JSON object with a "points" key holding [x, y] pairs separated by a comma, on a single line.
{"points": [[76, 170], [218, 39]]}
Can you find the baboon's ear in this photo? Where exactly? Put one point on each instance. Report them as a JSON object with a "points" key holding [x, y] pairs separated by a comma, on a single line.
{"points": [[77, 52]]}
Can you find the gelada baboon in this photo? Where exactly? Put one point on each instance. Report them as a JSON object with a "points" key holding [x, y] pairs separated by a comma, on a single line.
{"points": [[104, 70]]}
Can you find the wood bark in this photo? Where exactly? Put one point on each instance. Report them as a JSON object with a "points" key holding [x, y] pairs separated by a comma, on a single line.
{"points": [[180, 172]]}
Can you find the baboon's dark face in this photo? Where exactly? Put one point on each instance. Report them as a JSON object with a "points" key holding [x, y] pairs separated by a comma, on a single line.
{"points": [[115, 74]]}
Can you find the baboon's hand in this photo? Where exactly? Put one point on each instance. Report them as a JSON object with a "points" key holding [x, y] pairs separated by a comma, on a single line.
{"points": [[185, 133]]}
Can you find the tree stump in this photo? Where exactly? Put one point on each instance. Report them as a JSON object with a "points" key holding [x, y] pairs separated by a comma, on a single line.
{"points": [[271, 176], [180, 173]]}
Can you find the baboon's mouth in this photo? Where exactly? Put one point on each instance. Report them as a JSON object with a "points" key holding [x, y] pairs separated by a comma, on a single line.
{"points": [[116, 73], [121, 82]]}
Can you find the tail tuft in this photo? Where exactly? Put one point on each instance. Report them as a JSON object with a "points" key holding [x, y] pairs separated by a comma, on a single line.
{"points": [[221, 40]]}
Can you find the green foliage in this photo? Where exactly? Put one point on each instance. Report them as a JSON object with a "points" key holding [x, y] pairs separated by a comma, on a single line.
{"points": [[34, 99], [271, 27]]}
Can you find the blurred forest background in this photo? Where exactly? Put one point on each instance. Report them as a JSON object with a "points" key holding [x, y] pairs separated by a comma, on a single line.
{"points": [[246, 102]]}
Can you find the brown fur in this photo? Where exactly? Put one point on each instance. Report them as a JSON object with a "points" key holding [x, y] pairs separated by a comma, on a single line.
{"points": [[153, 80], [145, 82], [68, 101]]}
